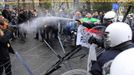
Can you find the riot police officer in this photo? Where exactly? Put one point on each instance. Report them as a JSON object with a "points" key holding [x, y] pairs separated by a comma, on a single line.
{"points": [[118, 37]]}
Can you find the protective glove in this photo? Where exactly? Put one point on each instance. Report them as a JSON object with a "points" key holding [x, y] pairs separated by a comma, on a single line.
{"points": [[94, 40]]}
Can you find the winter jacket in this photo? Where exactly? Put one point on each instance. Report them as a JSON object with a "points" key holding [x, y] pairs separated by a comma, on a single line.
{"points": [[5, 46]]}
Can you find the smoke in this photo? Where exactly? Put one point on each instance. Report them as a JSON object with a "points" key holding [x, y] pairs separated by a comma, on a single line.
{"points": [[39, 22]]}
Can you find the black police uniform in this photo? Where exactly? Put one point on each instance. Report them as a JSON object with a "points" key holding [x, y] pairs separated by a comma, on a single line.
{"points": [[5, 63], [101, 66]]}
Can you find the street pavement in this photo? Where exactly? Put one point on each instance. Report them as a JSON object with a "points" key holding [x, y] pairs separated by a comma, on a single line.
{"points": [[40, 58]]}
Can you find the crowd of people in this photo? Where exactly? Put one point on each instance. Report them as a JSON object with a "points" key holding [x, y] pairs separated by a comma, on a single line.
{"points": [[113, 44], [9, 19]]}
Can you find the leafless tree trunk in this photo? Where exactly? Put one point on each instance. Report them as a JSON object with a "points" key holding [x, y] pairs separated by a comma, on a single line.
{"points": [[18, 4], [67, 3], [23, 4], [33, 4]]}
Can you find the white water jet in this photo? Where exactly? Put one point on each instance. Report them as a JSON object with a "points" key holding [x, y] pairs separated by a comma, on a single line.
{"points": [[39, 22]]}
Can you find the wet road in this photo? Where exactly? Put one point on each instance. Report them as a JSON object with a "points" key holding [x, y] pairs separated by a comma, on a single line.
{"points": [[40, 58]]}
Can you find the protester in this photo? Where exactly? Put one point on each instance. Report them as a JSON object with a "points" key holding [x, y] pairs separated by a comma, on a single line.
{"points": [[5, 48]]}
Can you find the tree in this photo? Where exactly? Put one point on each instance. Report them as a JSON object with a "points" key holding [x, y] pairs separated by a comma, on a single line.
{"points": [[102, 6], [33, 4], [45, 4], [23, 4]]}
